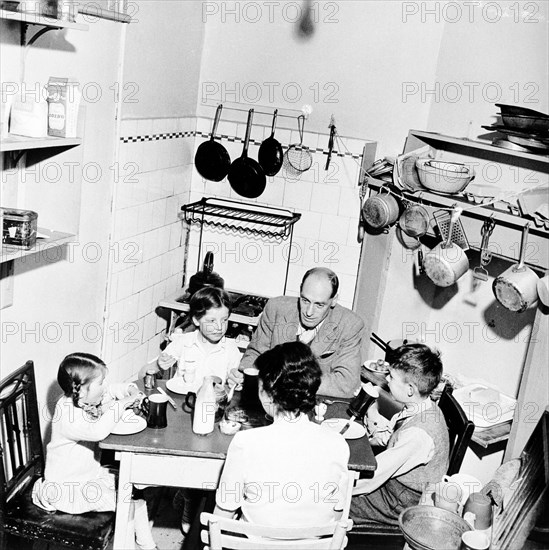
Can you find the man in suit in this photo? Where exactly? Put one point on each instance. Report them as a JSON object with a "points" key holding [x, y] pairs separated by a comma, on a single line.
{"points": [[333, 332]]}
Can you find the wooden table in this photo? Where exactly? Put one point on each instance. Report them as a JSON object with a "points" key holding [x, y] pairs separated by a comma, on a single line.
{"points": [[176, 457]]}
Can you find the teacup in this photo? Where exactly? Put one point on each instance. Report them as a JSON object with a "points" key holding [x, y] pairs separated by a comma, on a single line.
{"points": [[156, 407], [477, 511], [474, 540], [250, 390], [467, 484]]}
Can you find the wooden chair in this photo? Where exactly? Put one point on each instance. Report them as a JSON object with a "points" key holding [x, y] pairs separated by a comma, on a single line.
{"points": [[460, 430], [21, 463], [223, 533]]}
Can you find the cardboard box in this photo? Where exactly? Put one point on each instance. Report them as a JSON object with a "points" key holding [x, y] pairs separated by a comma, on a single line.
{"points": [[63, 103]]}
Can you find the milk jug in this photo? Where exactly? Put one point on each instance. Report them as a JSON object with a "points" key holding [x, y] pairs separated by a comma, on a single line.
{"points": [[204, 408]]}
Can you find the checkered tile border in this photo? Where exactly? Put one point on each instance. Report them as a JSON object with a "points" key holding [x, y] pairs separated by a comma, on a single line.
{"points": [[222, 137]]}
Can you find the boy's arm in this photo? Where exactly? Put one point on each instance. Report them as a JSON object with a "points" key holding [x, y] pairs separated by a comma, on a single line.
{"points": [[378, 427], [413, 447]]}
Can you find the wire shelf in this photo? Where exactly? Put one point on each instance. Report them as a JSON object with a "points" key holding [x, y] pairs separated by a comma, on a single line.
{"points": [[247, 218]]}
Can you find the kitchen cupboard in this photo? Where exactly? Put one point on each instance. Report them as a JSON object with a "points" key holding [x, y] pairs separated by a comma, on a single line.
{"points": [[514, 171]]}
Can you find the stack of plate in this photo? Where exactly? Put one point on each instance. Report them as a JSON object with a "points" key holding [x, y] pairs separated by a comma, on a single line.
{"points": [[524, 129]]}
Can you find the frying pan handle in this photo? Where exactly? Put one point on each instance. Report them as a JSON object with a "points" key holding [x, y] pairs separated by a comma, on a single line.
{"points": [[216, 120], [275, 114], [301, 127], [208, 263], [248, 132], [523, 243], [456, 213]]}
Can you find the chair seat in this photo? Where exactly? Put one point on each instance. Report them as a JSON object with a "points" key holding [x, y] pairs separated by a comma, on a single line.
{"points": [[90, 531]]}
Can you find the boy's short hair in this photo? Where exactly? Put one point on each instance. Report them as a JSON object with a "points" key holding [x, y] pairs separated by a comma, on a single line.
{"points": [[208, 297], [420, 364]]}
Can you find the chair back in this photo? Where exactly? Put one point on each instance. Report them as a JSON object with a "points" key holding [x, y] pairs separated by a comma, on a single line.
{"points": [[460, 430], [21, 453], [223, 533]]}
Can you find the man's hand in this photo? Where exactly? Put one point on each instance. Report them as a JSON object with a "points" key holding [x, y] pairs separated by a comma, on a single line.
{"points": [[236, 376]]}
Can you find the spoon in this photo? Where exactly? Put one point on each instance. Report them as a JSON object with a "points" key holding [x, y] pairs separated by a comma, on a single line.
{"points": [[348, 425]]}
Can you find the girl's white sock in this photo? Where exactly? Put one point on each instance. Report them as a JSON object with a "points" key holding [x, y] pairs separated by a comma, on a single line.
{"points": [[143, 535]]}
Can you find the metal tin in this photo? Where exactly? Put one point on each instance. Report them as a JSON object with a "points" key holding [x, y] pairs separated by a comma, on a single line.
{"points": [[149, 380], [19, 227]]}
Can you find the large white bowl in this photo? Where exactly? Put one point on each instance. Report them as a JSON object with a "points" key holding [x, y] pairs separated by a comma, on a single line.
{"points": [[444, 177]]}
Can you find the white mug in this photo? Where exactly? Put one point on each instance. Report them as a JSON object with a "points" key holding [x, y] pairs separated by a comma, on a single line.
{"points": [[467, 484]]}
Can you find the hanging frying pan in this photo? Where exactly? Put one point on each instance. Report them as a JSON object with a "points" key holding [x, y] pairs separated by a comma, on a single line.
{"points": [[270, 153], [516, 288], [245, 174], [212, 159], [447, 262]]}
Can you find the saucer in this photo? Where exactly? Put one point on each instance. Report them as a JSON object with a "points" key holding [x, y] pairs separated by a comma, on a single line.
{"points": [[178, 385], [129, 424], [355, 431]]}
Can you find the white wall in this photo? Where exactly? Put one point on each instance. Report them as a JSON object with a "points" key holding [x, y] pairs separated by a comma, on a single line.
{"points": [[504, 61], [154, 152], [59, 301], [354, 66]]}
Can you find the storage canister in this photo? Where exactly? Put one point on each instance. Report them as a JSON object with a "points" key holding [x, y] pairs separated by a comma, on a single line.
{"points": [[19, 227]]}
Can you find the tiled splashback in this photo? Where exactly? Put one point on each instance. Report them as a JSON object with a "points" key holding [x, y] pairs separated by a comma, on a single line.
{"points": [[151, 255], [327, 200]]}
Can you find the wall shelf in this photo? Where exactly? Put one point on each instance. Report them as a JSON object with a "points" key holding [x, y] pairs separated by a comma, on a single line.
{"points": [[19, 143], [259, 220], [255, 219], [418, 138], [46, 241], [45, 21]]}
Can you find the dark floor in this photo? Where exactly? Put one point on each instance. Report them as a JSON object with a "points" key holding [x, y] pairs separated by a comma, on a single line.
{"points": [[167, 534]]}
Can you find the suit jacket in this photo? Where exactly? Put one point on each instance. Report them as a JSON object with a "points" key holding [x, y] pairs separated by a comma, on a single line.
{"points": [[336, 346]]}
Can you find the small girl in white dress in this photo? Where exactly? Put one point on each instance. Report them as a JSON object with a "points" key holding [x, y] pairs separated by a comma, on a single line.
{"points": [[74, 481]]}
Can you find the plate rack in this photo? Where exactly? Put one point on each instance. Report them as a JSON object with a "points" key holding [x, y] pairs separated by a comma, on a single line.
{"points": [[261, 221]]}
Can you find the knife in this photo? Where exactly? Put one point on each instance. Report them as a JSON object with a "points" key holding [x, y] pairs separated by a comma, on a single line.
{"points": [[348, 425], [170, 400]]}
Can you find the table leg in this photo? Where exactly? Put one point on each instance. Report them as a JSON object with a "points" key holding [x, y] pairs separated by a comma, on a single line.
{"points": [[124, 537]]}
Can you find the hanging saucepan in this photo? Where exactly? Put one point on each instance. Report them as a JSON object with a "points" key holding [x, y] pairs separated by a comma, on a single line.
{"points": [[447, 262], [516, 288], [245, 174], [543, 289], [381, 210], [414, 221], [212, 159], [270, 155], [206, 277]]}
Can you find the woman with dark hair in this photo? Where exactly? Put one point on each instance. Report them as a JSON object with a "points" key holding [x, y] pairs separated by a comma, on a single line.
{"points": [[293, 472]]}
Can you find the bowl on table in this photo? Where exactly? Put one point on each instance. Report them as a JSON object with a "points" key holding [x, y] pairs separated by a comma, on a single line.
{"points": [[444, 177]]}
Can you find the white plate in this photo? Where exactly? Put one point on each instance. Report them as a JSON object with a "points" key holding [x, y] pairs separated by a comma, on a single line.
{"points": [[487, 414], [355, 430], [130, 423], [368, 367], [178, 385]]}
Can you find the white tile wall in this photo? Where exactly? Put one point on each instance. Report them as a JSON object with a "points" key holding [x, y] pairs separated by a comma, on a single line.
{"points": [[154, 181], [157, 176]]}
